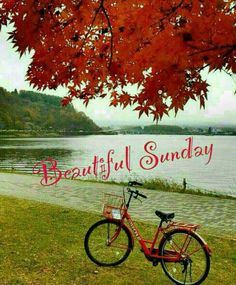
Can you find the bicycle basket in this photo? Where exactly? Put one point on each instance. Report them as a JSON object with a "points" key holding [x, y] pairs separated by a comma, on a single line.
{"points": [[113, 206]]}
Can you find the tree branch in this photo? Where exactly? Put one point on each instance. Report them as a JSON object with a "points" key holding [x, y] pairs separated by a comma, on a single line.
{"points": [[227, 72], [91, 26], [204, 66], [172, 11], [232, 8], [231, 48], [110, 27]]}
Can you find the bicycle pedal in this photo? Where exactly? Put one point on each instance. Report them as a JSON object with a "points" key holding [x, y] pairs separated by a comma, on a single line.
{"points": [[155, 263]]}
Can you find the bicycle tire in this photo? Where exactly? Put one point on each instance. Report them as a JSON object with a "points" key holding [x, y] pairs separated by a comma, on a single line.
{"points": [[101, 253], [176, 237]]}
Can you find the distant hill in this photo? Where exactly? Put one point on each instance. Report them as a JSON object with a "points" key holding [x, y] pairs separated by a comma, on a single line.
{"points": [[31, 111], [176, 130], [163, 129], [152, 129]]}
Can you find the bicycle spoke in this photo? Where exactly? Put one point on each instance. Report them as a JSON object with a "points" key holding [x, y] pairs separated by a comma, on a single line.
{"points": [[186, 243], [123, 246], [108, 231], [194, 251]]}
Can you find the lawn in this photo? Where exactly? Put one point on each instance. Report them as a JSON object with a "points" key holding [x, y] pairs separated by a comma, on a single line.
{"points": [[41, 244]]}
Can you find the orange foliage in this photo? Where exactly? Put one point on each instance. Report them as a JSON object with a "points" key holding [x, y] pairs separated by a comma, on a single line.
{"points": [[96, 47]]}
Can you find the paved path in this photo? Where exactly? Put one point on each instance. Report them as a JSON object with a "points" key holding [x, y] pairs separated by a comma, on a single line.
{"points": [[210, 212]]}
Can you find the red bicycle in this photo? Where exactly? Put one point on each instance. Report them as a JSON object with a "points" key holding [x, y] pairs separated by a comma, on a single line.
{"points": [[183, 254]]}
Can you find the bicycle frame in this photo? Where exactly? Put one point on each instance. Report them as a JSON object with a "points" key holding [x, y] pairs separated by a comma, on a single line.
{"points": [[175, 255]]}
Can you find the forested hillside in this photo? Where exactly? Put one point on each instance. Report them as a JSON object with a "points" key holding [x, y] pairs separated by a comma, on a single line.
{"points": [[27, 110]]}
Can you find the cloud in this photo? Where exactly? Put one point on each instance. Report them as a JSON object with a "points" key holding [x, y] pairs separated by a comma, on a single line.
{"points": [[225, 105]]}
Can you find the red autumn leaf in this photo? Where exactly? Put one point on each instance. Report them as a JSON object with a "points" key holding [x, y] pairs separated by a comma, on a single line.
{"points": [[66, 100], [161, 46]]}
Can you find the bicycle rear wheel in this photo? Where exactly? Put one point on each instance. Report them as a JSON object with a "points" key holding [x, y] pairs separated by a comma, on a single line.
{"points": [[108, 243], [194, 264]]}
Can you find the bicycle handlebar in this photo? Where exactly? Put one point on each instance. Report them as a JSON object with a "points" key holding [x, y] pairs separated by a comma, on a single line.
{"points": [[142, 195], [134, 183], [136, 194]]}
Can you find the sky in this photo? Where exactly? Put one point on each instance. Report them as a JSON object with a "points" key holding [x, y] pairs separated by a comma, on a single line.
{"points": [[220, 106]]}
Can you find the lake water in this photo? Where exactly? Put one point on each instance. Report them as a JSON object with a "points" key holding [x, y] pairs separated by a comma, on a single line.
{"points": [[78, 152]]}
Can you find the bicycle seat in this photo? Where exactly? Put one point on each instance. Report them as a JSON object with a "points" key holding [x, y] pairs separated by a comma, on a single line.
{"points": [[165, 216]]}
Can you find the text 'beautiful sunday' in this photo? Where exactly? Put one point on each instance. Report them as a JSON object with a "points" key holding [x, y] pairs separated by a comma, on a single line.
{"points": [[104, 166]]}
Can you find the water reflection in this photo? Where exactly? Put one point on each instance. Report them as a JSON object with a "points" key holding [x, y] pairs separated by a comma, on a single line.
{"points": [[25, 158]]}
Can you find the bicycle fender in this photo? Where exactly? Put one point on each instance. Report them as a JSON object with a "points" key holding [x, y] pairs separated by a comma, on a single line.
{"points": [[206, 246]]}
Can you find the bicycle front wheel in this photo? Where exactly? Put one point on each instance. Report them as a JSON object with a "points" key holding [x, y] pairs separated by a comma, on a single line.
{"points": [[193, 265], [108, 243]]}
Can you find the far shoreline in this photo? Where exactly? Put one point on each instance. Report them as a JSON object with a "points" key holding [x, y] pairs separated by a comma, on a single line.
{"points": [[105, 133]]}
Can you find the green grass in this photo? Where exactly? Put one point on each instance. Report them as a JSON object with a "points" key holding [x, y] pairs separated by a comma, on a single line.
{"points": [[42, 244]]}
